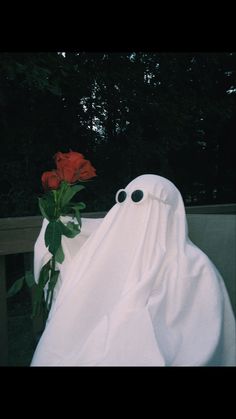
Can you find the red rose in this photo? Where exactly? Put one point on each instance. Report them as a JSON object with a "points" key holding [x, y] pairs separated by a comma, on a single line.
{"points": [[73, 167], [71, 159], [68, 174], [51, 180], [87, 171]]}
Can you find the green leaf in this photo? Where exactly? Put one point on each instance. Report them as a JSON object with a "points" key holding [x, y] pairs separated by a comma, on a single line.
{"points": [[59, 256], [44, 275], [74, 227], [70, 208], [50, 290], [70, 229], [79, 205], [39, 291], [29, 278], [53, 236], [16, 287], [63, 186], [47, 206], [55, 195], [77, 215], [42, 207], [69, 193], [53, 280]]}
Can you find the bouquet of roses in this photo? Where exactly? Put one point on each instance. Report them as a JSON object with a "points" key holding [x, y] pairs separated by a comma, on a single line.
{"points": [[60, 186]]}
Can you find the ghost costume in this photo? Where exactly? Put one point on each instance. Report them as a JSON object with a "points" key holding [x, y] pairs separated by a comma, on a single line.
{"points": [[135, 291]]}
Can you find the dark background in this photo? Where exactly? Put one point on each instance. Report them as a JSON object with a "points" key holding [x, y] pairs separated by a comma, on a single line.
{"points": [[129, 113]]}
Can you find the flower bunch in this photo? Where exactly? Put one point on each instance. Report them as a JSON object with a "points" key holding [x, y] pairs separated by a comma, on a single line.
{"points": [[60, 186]]}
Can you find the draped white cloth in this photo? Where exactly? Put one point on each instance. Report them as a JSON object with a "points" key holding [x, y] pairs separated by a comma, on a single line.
{"points": [[135, 291]]}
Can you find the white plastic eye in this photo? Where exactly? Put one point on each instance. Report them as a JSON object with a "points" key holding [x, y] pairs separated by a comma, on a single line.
{"points": [[121, 196]]}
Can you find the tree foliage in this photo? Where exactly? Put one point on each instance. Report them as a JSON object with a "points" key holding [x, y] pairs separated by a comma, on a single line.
{"points": [[171, 114]]}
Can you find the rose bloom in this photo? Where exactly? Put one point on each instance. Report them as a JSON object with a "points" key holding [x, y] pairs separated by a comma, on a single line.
{"points": [[87, 171], [72, 159], [51, 180], [72, 167]]}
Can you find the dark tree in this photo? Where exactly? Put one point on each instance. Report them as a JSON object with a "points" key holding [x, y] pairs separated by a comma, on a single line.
{"points": [[171, 114]]}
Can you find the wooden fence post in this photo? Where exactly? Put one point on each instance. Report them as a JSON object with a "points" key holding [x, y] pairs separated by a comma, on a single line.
{"points": [[3, 314]]}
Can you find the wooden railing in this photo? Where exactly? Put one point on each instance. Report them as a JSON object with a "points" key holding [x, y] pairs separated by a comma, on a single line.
{"points": [[18, 235]]}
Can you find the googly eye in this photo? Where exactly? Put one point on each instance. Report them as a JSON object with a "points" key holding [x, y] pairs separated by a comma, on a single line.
{"points": [[121, 196], [137, 195]]}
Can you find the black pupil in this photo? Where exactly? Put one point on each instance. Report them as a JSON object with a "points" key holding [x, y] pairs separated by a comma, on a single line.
{"points": [[121, 196], [137, 195]]}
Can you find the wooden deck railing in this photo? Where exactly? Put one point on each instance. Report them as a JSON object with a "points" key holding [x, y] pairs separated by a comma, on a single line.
{"points": [[18, 235]]}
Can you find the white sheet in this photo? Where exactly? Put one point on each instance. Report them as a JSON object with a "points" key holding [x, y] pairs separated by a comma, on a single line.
{"points": [[135, 291]]}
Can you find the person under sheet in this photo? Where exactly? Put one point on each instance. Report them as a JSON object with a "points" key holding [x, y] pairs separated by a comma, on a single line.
{"points": [[135, 291]]}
